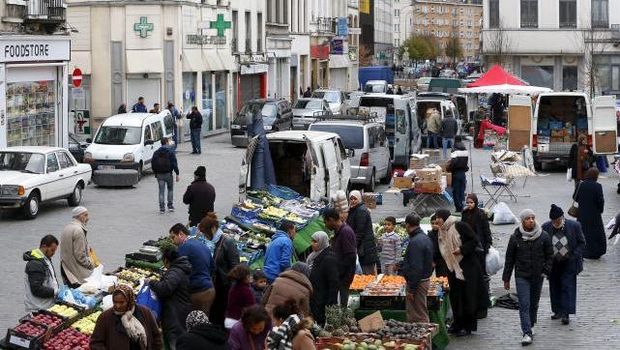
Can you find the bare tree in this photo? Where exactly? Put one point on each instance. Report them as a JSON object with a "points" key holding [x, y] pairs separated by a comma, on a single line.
{"points": [[498, 47], [593, 43]]}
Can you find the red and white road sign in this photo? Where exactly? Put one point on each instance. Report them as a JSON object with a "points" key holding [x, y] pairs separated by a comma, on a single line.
{"points": [[77, 77]]}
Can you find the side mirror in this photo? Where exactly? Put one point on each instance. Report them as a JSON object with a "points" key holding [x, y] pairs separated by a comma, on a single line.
{"points": [[350, 153], [89, 140], [149, 142]]}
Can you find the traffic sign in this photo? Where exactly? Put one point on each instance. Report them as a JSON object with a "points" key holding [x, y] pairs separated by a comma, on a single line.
{"points": [[76, 77]]}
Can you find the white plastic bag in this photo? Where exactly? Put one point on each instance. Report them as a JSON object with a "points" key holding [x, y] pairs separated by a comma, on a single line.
{"points": [[502, 215], [107, 302], [569, 174], [97, 281], [494, 261]]}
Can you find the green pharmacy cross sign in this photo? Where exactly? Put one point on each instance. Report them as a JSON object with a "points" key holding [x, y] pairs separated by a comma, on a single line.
{"points": [[143, 27], [220, 24]]}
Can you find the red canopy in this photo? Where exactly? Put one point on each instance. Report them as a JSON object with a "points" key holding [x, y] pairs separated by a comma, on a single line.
{"points": [[496, 76]]}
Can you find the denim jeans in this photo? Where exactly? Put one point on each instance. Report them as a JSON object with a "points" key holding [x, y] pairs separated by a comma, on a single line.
{"points": [[459, 184], [431, 140], [165, 180], [195, 134], [447, 143], [528, 291]]}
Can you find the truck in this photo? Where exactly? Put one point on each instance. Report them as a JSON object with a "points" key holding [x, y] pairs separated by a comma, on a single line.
{"points": [[375, 73]]}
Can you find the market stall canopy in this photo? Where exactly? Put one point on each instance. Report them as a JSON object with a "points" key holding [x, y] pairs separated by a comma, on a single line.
{"points": [[506, 89], [496, 76]]}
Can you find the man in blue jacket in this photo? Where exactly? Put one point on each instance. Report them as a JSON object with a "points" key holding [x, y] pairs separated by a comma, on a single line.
{"points": [[164, 162], [279, 252]]}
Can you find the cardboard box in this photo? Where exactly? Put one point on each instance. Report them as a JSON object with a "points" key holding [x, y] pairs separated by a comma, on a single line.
{"points": [[432, 152], [402, 182], [416, 163], [428, 187], [370, 200], [448, 178], [557, 133], [429, 174]]}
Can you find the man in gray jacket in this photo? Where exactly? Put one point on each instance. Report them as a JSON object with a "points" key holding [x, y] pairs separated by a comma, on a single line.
{"points": [[41, 285], [75, 254]]}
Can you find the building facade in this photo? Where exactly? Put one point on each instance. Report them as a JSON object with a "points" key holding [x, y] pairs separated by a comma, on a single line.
{"points": [[299, 29], [278, 49], [34, 62], [383, 27], [353, 41], [563, 45]]}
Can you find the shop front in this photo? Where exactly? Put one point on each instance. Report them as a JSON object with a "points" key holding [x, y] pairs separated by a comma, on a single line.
{"points": [[319, 53], [33, 91], [251, 81]]}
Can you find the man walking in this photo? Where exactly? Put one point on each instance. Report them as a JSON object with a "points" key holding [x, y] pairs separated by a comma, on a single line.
{"points": [[41, 285], [164, 162], [568, 242], [200, 196], [449, 128], [195, 126], [530, 254], [344, 247], [459, 166], [417, 268], [279, 252], [433, 128], [139, 107], [75, 255]]}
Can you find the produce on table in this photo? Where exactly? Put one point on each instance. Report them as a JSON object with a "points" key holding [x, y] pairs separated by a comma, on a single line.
{"points": [[366, 342], [63, 310], [377, 289], [86, 324], [440, 280], [338, 321], [30, 329], [47, 320], [399, 229], [360, 282], [393, 280], [393, 329], [68, 339]]}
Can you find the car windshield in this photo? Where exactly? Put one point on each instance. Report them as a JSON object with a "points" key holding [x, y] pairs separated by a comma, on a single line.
{"points": [[24, 162], [301, 104], [119, 135], [314, 104], [332, 96], [352, 136], [268, 110]]}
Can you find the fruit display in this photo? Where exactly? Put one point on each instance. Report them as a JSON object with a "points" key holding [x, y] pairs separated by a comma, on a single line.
{"points": [[393, 280], [443, 281], [69, 339], [30, 329], [48, 320], [364, 343], [393, 329], [338, 321], [360, 282], [86, 324], [378, 289], [266, 198], [64, 311]]}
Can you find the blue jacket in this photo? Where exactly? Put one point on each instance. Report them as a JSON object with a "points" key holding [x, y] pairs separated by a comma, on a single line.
{"points": [[576, 243], [278, 255], [418, 261], [200, 257], [139, 108], [164, 152]]}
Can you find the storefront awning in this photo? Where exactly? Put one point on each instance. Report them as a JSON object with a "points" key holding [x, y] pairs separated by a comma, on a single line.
{"points": [[228, 61], [145, 61], [339, 61], [81, 60], [193, 61]]}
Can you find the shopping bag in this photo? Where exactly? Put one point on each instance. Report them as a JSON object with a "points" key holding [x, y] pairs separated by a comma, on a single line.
{"points": [[147, 298], [494, 261], [569, 174], [502, 215]]}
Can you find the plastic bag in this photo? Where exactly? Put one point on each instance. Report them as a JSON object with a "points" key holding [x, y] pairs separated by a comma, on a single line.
{"points": [[502, 215], [146, 297], [494, 261], [569, 174], [97, 281], [107, 302]]}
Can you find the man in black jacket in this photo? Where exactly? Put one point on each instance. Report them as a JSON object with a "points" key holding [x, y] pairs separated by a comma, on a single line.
{"points": [[164, 162], [459, 166], [195, 127], [530, 254], [41, 286], [417, 268], [449, 129], [200, 196]]}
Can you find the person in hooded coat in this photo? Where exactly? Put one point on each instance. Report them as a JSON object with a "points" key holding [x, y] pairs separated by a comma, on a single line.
{"points": [[360, 221], [173, 292], [263, 172], [201, 334], [589, 196], [323, 276], [291, 284]]}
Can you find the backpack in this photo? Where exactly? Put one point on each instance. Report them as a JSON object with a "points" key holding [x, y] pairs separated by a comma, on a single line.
{"points": [[161, 162]]}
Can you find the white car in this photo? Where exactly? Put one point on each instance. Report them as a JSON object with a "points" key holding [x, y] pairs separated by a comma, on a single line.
{"points": [[30, 175]]}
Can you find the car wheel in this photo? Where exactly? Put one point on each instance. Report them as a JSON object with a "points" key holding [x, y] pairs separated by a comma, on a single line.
{"points": [[388, 176], [140, 172], [76, 197], [373, 180], [31, 207], [537, 165]]}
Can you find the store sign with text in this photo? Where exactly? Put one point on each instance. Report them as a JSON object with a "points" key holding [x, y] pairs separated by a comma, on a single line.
{"points": [[320, 51], [25, 50], [337, 47], [199, 39]]}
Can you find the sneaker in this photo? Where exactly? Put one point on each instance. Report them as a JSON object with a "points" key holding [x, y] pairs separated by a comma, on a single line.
{"points": [[171, 209], [527, 340], [162, 211]]}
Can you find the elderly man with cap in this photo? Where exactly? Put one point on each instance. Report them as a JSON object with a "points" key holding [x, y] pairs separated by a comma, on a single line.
{"points": [[200, 196], [568, 242], [530, 254], [76, 262]]}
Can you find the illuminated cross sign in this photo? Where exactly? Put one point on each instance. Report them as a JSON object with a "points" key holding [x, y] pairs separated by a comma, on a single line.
{"points": [[220, 24], [143, 27]]}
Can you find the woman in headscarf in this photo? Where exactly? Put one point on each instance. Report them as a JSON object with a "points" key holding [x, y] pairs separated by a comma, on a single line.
{"points": [[201, 334], [477, 219], [323, 276], [126, 326], [361, 223], [589, 196], [580, 158]]}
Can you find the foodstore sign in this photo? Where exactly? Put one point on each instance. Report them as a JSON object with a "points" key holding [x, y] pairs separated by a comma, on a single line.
{"points": [[34, 50]]}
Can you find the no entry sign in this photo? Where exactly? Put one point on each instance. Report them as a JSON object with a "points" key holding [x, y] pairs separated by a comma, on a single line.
{"points": [[76, 77]]}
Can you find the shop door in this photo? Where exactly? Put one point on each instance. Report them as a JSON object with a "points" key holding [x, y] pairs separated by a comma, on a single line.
{"points": [[150, 89], [519, 123], [250, 88]]}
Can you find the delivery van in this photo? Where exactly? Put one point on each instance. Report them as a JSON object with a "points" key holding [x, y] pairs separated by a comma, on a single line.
{"points": [[313, 163], [557, 120]]}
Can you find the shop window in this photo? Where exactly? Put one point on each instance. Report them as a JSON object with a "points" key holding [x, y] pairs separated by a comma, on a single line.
{"points": [[52, 163], [189, 91], [221, 100], [207, 102], [538, 75], [569, 78], [600, 14], [568, 13], [529, 13], [31, 113]]}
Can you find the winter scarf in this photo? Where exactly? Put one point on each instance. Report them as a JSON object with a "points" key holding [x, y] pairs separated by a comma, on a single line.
{"points": [[530, 235], [195, 319], [134, 328], [323, 243], [281, 337], [449, 241]]}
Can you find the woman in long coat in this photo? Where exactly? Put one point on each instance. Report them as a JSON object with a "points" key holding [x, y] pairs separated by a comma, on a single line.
{"points": [[360, 221], [323, 276], [589, 196], [580, 158]]}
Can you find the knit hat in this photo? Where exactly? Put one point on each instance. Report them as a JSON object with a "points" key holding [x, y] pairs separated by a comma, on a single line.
{"points": [[526, 213], [195, 319], [77, 211], [555, 212], [302, 268], [201, 172]]}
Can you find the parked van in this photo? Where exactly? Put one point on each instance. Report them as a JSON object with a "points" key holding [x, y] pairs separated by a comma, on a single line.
{"points": [[558, 119], [398, 114], [313, 163], [443, 103], [124, 145]]}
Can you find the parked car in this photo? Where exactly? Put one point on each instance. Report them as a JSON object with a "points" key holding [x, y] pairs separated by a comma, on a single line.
{"points": [[335, 98], [32, 175], [124, 145], [442, 103], [313, 163], [277, 116], [376, 86], [371, 157], [352, 101], [77, 147], [306, 111]]}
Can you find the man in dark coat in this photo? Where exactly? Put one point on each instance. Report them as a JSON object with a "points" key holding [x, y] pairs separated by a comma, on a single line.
{"points": [[164, 162], [323, 276], [530, 254], [41, 286], [201, 334], [459, 166], [344, 249], [308, 93], [195, 127], [139, 107], [361, 223], [589, 195], [200, 196], [568, 243], [173, 292]]}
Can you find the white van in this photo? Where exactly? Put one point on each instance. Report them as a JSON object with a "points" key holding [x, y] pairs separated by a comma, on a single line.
{"points": [[313, 163], [124, 145], [558, 119]]}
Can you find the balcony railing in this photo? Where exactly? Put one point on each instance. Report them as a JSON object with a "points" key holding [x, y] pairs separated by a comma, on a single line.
{"points": [[46, 10]]}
